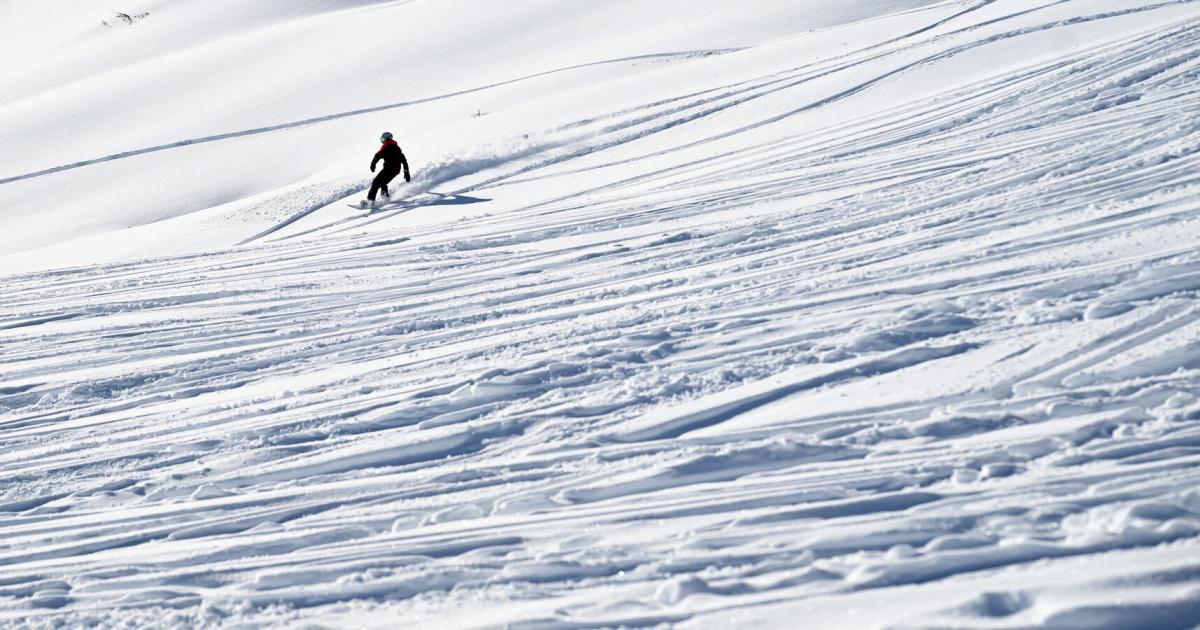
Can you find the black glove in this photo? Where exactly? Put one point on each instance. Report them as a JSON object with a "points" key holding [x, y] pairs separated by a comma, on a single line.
{"points": [[372, 168], [406, 177]]}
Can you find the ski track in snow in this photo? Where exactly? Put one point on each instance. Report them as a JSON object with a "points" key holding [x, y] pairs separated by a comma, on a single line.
{"points": [[347, 114], [954, 342]]}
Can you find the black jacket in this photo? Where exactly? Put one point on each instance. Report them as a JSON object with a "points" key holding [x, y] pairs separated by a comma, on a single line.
{"points": [[393, 158]]}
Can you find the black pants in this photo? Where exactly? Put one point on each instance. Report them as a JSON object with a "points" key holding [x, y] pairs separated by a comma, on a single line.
{"points": [[380, 183]]}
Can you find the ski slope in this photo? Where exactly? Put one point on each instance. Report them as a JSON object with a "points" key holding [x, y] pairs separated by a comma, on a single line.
{"points": [[695, 314]]}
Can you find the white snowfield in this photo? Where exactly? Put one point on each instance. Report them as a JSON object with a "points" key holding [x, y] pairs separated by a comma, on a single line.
{"points": [[696, 313]]}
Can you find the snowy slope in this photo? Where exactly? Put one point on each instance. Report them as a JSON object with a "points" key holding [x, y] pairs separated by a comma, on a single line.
{"points": [[208, 102], [873, 314]]}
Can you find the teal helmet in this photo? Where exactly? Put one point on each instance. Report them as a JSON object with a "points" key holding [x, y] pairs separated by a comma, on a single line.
{"points": [[387, 135]]}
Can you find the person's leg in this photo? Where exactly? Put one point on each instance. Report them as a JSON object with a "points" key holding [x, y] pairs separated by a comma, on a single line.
{"points": [[384, 179], [380, 181]]}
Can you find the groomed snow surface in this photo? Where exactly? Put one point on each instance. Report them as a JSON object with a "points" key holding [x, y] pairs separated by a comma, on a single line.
{"points": [[696, 314]]}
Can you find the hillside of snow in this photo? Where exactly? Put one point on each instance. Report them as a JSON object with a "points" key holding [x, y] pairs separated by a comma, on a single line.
{"points": [[696, 314]]}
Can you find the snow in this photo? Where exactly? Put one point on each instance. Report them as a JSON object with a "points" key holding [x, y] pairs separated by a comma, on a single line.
{"points": [[696, 314]]}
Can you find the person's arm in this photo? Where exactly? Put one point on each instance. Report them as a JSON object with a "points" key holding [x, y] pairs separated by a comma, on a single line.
{"points": [[404, 163], [378, 155]]}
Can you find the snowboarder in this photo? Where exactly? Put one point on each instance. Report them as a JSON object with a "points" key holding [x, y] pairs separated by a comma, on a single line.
{"points": [[393, 159]]}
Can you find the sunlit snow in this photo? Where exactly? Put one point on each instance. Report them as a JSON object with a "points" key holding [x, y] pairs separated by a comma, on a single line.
{"points": [[698, 314]]}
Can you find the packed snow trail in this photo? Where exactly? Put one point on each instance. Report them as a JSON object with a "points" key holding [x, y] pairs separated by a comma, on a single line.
{"points": [[936, 365]]}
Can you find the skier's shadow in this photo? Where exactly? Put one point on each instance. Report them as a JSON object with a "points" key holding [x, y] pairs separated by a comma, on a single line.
{"points": [[454, 199], [440, 199]]}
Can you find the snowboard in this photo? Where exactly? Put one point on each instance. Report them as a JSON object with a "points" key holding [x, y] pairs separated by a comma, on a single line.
{"points": [[370, 209]]}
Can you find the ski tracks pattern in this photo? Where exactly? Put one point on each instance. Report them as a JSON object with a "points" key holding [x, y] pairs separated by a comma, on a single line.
{"points": [[947, 338]]}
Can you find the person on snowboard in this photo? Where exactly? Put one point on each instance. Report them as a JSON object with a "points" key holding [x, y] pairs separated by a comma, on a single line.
{"points": [[393, 159]]}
